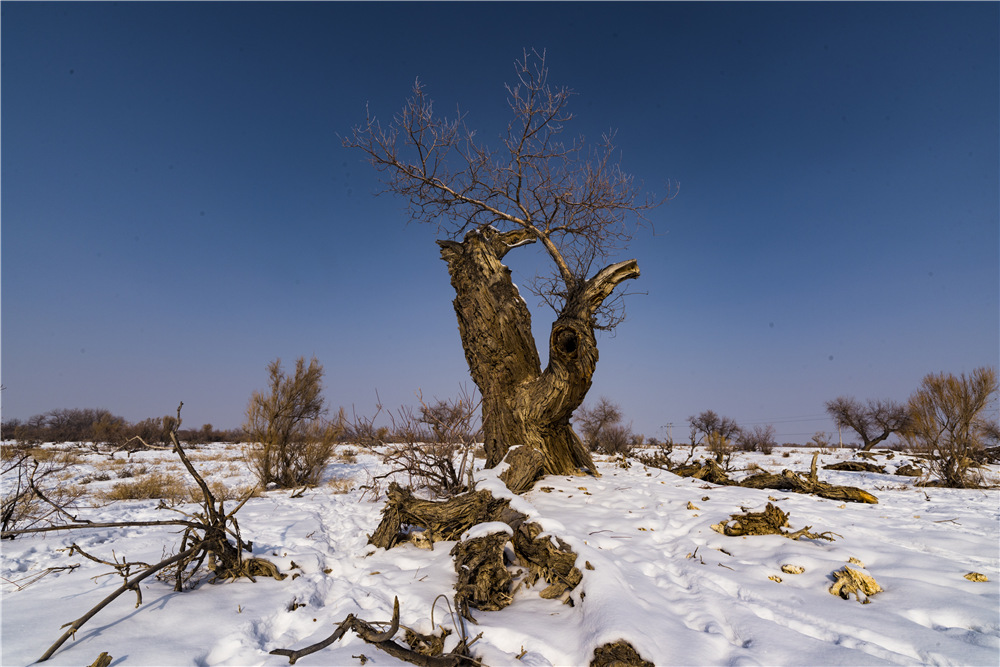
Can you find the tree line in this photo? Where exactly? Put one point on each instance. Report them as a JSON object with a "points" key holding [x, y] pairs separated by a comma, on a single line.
{"points": [[102, 427]]}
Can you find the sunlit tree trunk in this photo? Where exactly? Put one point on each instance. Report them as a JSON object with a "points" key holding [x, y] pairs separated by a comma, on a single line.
{"points": [[523, 404]]}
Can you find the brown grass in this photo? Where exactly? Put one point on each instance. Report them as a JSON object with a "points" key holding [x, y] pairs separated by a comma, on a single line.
{"points": [[156, 485], [341, 484], [223, 492]]}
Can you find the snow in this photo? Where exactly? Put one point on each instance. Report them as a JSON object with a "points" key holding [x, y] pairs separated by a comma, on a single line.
{"points": [[654, 574]]}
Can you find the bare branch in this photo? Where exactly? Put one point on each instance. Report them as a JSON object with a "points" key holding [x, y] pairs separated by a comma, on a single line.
{"points": [[570, 196]]}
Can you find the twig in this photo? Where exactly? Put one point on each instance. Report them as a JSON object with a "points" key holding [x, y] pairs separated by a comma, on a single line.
{"points": [[90, 524], [128, 585]]}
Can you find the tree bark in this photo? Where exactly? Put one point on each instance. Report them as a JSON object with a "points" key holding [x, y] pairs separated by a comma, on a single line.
{"points": [[522, 404]]}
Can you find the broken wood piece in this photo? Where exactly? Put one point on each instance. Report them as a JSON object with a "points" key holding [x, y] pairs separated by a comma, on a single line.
{"points": [[483, 580], [769, 522], [849, 580], [103, 660], [382, 640]]}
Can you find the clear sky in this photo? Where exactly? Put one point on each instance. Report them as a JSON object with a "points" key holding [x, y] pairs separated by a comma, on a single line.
{"points": [[177, 208]]}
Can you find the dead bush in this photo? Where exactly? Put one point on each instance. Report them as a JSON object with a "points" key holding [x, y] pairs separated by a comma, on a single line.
{"points": [[434, 448], [602, 429], [758, 438], [659, 457], [33, 493]]}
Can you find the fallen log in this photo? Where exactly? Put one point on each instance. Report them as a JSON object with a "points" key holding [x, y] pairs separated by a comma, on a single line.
{"points": [[791, 481], [445, 520], [709, 471], [855, 466]]}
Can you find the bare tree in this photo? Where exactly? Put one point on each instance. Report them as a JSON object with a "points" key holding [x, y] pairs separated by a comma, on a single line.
{"points": [[595, 421], [290, 441], [873, 421], [949, 418], [760, 437], [534, 187], [709, 422]]}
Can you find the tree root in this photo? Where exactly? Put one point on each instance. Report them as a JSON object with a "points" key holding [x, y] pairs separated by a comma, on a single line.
{"points": [[445, 520], [484, 582]]}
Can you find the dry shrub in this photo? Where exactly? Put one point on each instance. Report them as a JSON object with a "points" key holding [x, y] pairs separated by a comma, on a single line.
{"points": [[223, 492], [347, 455], [33, 490], [290, 441], [433, 449], [950, 421], [341, 484], [759, 437], [59, 457], [721, 447]]}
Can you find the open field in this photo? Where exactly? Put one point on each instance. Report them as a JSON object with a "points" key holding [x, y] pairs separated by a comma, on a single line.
{"points": [[656, 572]]}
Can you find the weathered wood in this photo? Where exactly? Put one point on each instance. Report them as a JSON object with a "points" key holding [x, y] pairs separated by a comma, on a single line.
{"points": [[708, 470], [443, 519], [788, 480], [554, 563], [483, 578], [855, 466], [527, 465], [383, 641], [483, 581], [103, 660], [772, 521]]}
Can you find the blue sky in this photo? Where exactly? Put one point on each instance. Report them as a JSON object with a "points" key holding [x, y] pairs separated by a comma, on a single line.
{"points": [[177, 208]]}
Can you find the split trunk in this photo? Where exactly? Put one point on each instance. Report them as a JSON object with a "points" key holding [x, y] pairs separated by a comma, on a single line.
{"points": [[524, 405]]}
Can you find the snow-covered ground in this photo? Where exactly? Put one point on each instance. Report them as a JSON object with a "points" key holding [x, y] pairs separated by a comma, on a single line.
{"points": [[654, 574]]}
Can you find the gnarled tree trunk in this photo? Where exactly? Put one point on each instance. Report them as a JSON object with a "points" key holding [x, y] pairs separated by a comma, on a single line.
{"points": [[523, 404]]}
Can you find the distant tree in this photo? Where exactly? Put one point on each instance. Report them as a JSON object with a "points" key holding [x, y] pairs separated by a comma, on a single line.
{"points": [[290, 442], [530, 187], [109, 429], [949, 419], [595, 421], [820, 439], [709, 422], [760, 437], [873, 421]]}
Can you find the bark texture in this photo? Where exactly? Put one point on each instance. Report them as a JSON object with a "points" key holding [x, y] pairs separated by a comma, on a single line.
{"points": [[522, 404]]}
